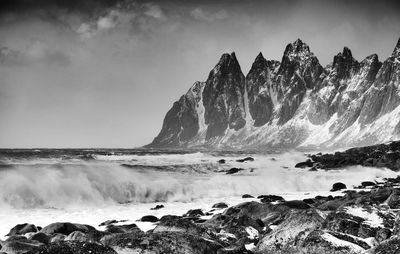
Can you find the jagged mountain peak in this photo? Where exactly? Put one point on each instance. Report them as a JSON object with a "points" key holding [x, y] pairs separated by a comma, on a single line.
{"points": [[294, 103], [344, 64], [346, 52], [396, 51], [227, 63], [297, 48]]}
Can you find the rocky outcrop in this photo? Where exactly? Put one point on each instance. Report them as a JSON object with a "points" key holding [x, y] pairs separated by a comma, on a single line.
{"points": [[382, 155], [292, 103]]}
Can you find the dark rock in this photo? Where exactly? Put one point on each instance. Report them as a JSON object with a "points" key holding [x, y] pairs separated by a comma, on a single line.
{"points": [[367, 184], [157, 207], [22, 229], [57, 238], [233, 171], [247, 196], [296, 204], [307, 164], [72, 247], [222, 161], [220, 205], [65, 228], [40, 237], [19, 244], [108, 222], [390, 246], [162, 242], [338, 186], [77, 236], [270, 198], [292, 231], [149, 218], [194, 213], [245, 159]]}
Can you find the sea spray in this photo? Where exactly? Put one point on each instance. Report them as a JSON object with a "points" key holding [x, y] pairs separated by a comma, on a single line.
{"points": [[77, 183]]}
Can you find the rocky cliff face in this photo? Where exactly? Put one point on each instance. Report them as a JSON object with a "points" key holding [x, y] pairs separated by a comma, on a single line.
{"points": [[292, 103]]}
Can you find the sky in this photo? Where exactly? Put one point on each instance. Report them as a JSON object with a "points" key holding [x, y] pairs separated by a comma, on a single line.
{"points": [[104, 73]]}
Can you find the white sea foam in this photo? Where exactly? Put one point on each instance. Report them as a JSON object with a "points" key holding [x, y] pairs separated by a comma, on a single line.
{"points": [[94, 191]]}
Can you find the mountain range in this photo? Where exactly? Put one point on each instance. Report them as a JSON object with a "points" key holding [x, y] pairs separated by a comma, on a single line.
{"points": [[294, 103]]}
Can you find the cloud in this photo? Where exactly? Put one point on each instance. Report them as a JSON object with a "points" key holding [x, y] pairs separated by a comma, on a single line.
{"points": [[129, 14], [36, 52], [201, 14]]}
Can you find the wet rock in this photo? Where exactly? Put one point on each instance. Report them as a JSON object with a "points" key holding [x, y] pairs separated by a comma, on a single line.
{"points": [[292, 231], [247, 196], [222, 161], [108, 222], [307, 164], [338, 186], [162, 242], [77, 236], [22, 229], [328, 242], [220, 205], [57, 238], [194, 213], [390, 246], [72, 247], [270, 198], [234, 171], [157, 207], [40, 237], [245, 159], [66, 228], [296, 204], [18, 244], [383, 234], [367, 184], [149, 218], [122, 228]]}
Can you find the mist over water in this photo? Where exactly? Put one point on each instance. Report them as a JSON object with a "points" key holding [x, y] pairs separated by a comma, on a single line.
{"points": [[125, 179]]}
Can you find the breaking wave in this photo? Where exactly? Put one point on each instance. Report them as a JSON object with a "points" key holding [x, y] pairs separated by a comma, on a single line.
{"points": [[104, 181]]}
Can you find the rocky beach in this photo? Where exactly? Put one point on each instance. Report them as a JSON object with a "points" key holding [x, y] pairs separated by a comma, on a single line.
{"points": [[350, 219]]}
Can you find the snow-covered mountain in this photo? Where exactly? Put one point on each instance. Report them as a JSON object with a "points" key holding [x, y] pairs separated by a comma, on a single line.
{"points": [[292, 103]]}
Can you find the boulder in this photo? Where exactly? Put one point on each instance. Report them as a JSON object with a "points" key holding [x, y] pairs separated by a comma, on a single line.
{"points": [[162, 242], [18, 244], [292, 231], [367, 184], [149, 218], [220, 205], [22, 229], [66, 228], [122, 228], [40, 237], [57, 238], [108, 222], [233, 171], [194, 213], [222, 161], [296, 204], [72, 247], [338, 186], [157, 207], [77, 236], [320, 241], [270, 198], [247, 196], [306, 164], [245, 159]]}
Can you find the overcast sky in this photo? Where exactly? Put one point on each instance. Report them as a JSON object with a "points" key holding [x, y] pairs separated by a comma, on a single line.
{"points": [[104, 73]]}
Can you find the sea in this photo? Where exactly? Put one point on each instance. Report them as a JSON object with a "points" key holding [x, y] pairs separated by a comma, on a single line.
{"points": [[90, 186]]}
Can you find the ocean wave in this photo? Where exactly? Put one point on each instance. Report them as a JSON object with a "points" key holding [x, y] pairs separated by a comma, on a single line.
{"points": [[99, 183]]}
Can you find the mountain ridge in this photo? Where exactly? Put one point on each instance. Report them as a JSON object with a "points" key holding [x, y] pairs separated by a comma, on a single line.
{"points": [[292, 103]]}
